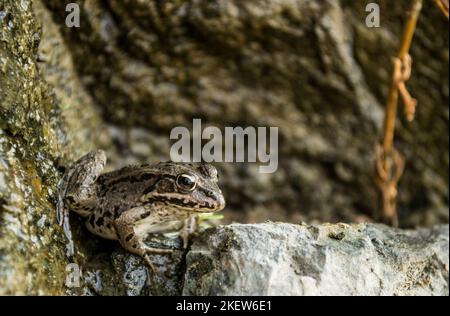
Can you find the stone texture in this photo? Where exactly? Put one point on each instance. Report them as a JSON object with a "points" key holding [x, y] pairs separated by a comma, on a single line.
{"points": [[43, 126], [135, 69], [339, 259], [311, 68]]}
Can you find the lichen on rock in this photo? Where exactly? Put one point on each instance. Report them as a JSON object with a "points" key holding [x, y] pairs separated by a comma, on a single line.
{"points": [[33, 146]]}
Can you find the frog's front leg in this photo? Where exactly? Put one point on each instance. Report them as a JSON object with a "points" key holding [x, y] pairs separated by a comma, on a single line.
{"points": [[189, 227], [129, 239]]}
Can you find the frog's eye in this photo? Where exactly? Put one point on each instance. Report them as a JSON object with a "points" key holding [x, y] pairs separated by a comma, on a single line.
{"points": [[187, 182]]}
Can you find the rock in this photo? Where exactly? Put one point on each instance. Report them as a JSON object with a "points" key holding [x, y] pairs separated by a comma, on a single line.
{"points": [[132, 72], [312, 68], [339, 259], [43, 125]]}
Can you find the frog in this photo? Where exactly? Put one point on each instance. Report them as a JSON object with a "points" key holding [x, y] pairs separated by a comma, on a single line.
{"points": [[132, 202]]}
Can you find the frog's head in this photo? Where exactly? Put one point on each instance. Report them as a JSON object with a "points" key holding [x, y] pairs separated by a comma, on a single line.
{"points": [[192, 187]]}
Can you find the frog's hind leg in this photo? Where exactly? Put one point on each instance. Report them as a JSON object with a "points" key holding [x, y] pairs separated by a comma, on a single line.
{"points": [[101, 224], [76, 186], [76, 189], [130, 240]]}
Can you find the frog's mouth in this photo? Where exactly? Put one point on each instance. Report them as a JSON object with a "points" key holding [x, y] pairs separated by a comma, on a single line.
{"points": [[215, 204]]}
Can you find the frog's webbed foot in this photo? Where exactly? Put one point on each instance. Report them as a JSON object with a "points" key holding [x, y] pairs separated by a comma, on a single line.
{"points": [[158, 251], [63, 220], [144, 252], [61, 209], [189, 227], [149, 250], [62, 212]]}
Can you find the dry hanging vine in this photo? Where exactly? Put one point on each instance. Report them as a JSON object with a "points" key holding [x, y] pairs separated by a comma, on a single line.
{"points": [[389, 163]]}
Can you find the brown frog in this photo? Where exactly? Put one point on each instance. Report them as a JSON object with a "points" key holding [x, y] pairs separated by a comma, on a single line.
{"points": [[129, 203]]}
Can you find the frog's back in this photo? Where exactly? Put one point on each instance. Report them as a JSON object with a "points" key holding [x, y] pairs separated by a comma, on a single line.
{"points": [[125, 171], [127, 185]]}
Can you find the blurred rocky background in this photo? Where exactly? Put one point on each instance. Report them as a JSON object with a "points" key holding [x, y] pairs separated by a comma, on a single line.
{"points": [[133, 70]]}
